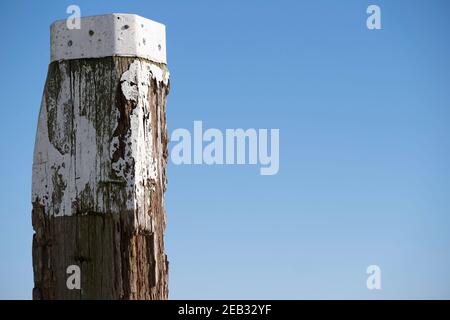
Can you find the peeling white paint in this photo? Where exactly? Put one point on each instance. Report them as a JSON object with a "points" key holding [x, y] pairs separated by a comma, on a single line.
{"points": [[70, 163], [56, 184], [160, 74], [139, 152], [109, 35]]}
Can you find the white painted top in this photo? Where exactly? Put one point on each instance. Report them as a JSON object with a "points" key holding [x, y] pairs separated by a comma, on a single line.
{"points": [[114, 34]]}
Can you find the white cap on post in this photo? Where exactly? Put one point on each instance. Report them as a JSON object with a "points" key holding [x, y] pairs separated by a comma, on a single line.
{"points": [[116, 34]]}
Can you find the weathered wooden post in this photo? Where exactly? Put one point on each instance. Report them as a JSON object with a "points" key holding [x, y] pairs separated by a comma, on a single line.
{"points": [[99, 169]]}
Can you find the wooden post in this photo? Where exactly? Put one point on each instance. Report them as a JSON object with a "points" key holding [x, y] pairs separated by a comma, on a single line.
{"points": [[99, 169]]}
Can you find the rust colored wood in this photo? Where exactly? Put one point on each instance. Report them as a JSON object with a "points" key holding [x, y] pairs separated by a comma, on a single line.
{"points": [[99, 177]]}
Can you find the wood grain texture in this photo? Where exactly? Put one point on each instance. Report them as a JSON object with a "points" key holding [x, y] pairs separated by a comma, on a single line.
{"points": [[99, 177]]}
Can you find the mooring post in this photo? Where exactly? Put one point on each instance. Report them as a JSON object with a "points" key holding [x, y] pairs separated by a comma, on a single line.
{"points": [[99, 168]]}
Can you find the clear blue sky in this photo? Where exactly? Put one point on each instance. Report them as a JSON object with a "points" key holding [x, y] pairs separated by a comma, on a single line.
{"points": [[364, 119]]}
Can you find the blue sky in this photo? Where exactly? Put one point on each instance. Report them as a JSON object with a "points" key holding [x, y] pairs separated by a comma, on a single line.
{"points": [[364, 155]]}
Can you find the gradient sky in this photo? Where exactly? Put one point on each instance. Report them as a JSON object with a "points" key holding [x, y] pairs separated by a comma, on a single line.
{"points": [[364, 145]]}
